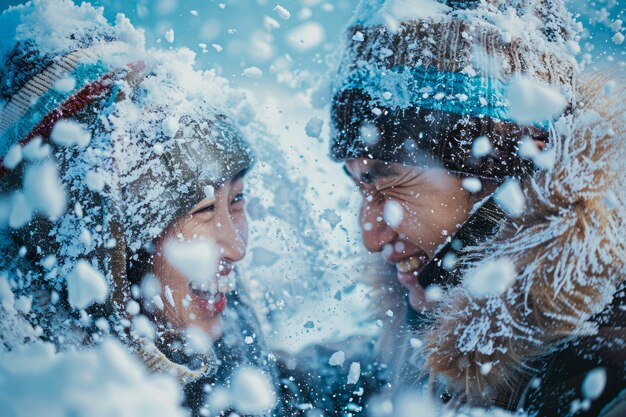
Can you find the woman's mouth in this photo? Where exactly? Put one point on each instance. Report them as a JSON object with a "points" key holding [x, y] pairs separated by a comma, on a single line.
{"points": [[224, 269], [211, 295], [212, 303]]}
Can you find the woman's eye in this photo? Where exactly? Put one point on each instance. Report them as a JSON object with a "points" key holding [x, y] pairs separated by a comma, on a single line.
{"points": [[239, 197], [207, 209]]}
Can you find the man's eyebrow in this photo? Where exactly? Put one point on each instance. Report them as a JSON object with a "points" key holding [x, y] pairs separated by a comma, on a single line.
{"points": [[378, 169], [382, 169], [365, 177]]}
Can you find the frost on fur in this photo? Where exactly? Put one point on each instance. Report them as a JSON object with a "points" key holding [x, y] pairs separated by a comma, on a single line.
{"points": [[569, 252]]}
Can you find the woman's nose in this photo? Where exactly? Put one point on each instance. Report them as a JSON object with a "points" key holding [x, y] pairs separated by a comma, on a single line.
{"points": [[232, 238], [375, 232]]}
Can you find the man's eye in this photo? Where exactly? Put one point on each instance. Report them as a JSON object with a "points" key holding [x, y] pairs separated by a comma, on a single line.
{"points": [[368, 193], [366, 178]]}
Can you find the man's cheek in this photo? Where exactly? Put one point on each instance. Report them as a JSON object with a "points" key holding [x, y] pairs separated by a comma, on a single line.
{"points": [[412, 230]]}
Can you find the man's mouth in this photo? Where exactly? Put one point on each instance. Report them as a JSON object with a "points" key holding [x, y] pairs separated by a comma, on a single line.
{"points": [[412, 264]]}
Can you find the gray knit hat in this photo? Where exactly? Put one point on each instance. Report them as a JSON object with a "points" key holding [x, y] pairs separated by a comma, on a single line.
{"points": [[429, 78]]}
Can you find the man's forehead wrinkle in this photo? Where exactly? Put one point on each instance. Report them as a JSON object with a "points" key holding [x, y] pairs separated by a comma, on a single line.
{"points": [[367, 170]]}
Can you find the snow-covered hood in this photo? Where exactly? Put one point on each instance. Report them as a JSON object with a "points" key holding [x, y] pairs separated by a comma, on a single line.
{"points": [[103, 146], [567, 253]]}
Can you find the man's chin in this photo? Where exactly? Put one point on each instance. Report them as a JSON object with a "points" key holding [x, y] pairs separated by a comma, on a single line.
{"points": [[407, 279], [417, 299]]}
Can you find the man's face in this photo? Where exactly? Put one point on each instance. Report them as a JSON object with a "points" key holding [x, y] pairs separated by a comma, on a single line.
{"points": [[407, 213]]}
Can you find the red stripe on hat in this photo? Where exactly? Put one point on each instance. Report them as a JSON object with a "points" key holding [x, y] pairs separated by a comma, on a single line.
{"points": [[70, 107]]}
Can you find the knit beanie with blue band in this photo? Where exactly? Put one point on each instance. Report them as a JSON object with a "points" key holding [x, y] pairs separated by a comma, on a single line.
{"points": [[419, 81]]}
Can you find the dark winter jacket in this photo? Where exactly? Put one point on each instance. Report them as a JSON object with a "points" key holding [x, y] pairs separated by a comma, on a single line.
{"points": [[302, 382], [311, 382], [232, 351], [563, 374], [564, 314]]}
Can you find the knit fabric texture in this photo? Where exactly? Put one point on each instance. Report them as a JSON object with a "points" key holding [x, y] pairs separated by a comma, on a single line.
{"points": [[418, 86]]}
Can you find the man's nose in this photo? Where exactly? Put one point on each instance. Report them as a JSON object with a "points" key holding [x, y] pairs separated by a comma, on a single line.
{"points": [[231, 238], [375, 232]]}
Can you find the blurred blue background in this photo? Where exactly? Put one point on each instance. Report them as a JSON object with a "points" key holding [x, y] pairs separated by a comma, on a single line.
{"points": [[248, 31]]}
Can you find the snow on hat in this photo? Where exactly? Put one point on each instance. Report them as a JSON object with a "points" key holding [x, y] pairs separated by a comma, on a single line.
{"points": [[64, 64], [58, 60], [420, 80], [104, 143]]}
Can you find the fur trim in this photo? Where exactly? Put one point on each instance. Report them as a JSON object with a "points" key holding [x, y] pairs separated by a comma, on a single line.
{"points": [[157, 362], [569, 252]]}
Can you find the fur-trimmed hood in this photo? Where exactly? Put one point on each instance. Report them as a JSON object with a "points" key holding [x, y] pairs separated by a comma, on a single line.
{"points": [[568, 250]]}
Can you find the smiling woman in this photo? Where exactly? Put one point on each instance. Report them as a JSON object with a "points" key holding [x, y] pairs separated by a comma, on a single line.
{"points": [[139, 221], [221, 221]]}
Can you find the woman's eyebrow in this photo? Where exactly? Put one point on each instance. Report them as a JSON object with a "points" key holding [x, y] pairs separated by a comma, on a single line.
{"points": [[240, 175]]}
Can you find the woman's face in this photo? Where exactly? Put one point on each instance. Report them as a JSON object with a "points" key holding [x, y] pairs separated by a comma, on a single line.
{"points": [[221, 224], [407, 213]]}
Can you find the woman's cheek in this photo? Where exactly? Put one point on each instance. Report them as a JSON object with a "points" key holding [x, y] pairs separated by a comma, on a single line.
{"points": [[242, 226], [198, 229]]}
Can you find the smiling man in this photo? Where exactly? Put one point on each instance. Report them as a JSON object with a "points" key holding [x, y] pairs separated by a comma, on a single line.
{"points": [[426, 189], [407, 213], [425, 123], [424, 130]]}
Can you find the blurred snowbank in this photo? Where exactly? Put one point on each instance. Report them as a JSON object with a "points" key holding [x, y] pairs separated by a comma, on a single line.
{"points": [[36, 381]]}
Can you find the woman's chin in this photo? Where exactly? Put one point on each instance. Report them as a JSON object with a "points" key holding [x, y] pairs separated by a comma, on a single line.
{"points": [[211, 324], [214, 328]]}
